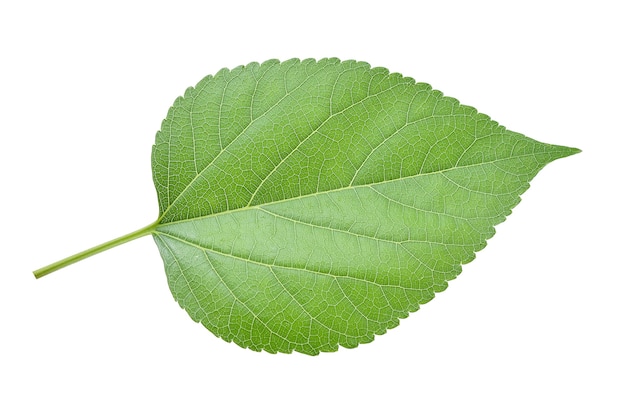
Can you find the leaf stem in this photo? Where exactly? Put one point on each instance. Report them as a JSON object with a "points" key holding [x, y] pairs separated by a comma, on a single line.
{"points": [[95, 250]]}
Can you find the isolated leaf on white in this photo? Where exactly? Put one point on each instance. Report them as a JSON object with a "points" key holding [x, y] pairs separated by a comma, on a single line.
{"points": [[307, 205]]}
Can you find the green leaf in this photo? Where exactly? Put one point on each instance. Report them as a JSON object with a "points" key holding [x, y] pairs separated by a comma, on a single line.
{"points": [[309, 204]]}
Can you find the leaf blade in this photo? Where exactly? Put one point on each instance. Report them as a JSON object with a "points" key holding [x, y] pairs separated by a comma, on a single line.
{"points": [[334, 208]]}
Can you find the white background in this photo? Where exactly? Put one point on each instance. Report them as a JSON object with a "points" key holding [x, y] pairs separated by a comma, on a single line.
{"points": [[536, 320]]}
